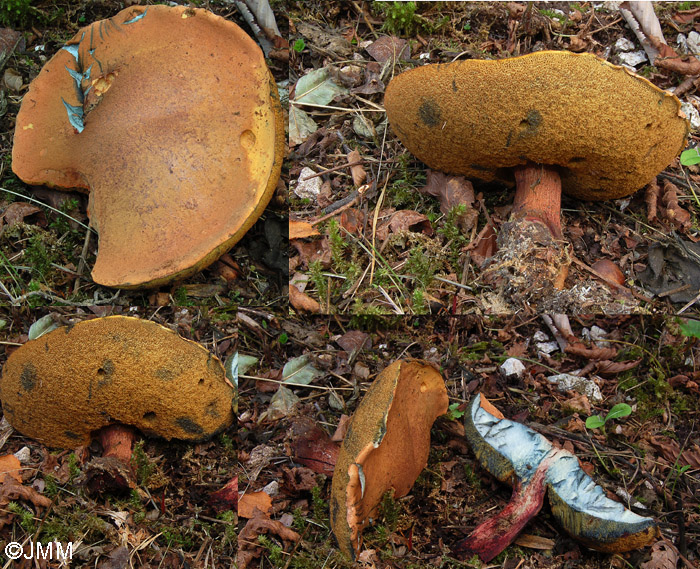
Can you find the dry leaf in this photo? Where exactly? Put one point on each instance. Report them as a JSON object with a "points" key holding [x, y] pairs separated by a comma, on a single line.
{"points": [[301, 229], [354, 341], [248, 548], [534, 541], [318, 250], [452, 191], [302, 301], [651, 198], [10, 466], [312, 446], [249, 502], [352, 220], [17, 211], [389, 47], [225, 498], [663, 556], [673, 212], [484, 246], [407, 220], [359, 175], [606, 367]]}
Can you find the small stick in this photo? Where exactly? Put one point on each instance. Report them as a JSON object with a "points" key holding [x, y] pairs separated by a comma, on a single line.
{"points": [[334, 169]]}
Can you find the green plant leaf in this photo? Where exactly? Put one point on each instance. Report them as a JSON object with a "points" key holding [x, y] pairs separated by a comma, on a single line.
{"points": [[595, 422], [690, 157], [299, 45], [454, 413], [690, 328], [619, 410]]}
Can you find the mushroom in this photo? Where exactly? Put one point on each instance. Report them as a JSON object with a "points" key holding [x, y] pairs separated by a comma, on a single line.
{"points": [[552, 120], [386, 446], [170, 119], [521, 457], [107, 376]]}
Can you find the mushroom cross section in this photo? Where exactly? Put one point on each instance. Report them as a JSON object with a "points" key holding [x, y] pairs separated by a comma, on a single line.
{"points": [[553, 120], [170, 119], [524, 459], [386, 446], [63, 387]]}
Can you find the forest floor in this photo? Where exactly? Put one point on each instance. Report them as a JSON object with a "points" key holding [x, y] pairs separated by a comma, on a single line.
{"points": [[649, 460]]}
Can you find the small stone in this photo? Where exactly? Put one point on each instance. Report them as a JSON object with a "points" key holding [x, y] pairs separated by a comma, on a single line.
{"points": [[694, 43], [272, 489], [512, 367], [633, 58], [308, 188], [623, 44], [692, 114], [23, 455], [567, 382]]}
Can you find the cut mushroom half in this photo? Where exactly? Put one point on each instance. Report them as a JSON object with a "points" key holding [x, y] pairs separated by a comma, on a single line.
{"points": [[170, 119], [552, 121], [524, 459], [386, 446], [108, 376]]}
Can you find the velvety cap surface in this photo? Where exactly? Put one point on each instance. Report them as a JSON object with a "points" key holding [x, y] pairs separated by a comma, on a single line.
{"points": [[61, 387], [610, 131]]}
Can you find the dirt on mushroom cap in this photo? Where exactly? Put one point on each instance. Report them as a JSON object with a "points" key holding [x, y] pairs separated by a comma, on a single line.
{"points": [[182, 138], [609, 130], [61, 387], [387, 445]]}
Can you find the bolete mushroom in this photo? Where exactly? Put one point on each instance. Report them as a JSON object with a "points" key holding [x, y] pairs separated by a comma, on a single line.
{"points": [[524, 459], [102, 377], [386, 446], [552, 120], [170, 119]]}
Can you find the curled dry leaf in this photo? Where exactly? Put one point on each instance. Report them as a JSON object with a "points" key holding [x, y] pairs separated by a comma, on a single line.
{"points": [[250, 503], [225, 498], [318, 250], [248, 548], [607, 367], [609, 271], [312, 447], [389, 47], [16, 212], [359, 175], [651, 198], [673, 212], [577, 348], [352, 220], [407, 220], [302, 301], [301, 229], [452, 191], [663, 556]]}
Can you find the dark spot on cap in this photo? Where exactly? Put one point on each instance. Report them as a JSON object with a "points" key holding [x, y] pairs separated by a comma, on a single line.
{"points": [[479, 167], [212, 410], [531, 123], [429, 113], [454, 86], [28, 377], [72, 435], [165, 374], [105, 373], [189, 426], [149, 416]]}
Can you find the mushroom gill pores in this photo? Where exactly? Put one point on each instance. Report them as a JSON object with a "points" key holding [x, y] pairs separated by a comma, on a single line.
{"points": [[521, 457], [171, 120], [62, 387], [386, 446]]}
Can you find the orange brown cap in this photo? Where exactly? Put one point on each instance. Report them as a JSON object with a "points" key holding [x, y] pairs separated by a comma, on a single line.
{"points": [[607, 130], [386, 446], [170, 119]]}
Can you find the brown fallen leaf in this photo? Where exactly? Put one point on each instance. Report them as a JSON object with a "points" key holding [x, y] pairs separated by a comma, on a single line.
{"points": [[302, 301], [663, 556], [407, 220], [607, 367], [249, 502], [670, 60], [10, 466], [312, 447], [354, 341], [248, 546], [578, 348], [671, 451], [12, 490], [534, 541], [352, 220], [301, 229], [484, 245], [652, 193], [389, 47], [452, 191], [317, 250], [673, 212], [16, 212], [686, 16], [358, 173], [225, 498]]}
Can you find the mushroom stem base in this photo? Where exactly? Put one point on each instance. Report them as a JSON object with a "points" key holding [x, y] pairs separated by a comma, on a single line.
{"points": [[117, 441], [538, 196]]}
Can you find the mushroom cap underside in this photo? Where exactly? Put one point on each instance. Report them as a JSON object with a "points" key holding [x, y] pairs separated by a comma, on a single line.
{"points": [[386, 446], [181, 144], [509, 450], [608, 130], [70, 382]]}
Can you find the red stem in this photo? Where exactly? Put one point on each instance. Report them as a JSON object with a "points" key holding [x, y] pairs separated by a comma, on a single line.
{"points": [[495, 534], [538, 196], [117, 441]]}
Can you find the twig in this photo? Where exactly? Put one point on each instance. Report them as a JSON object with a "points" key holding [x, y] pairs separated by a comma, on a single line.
{"points": [[334, 169], [55, 299]]}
